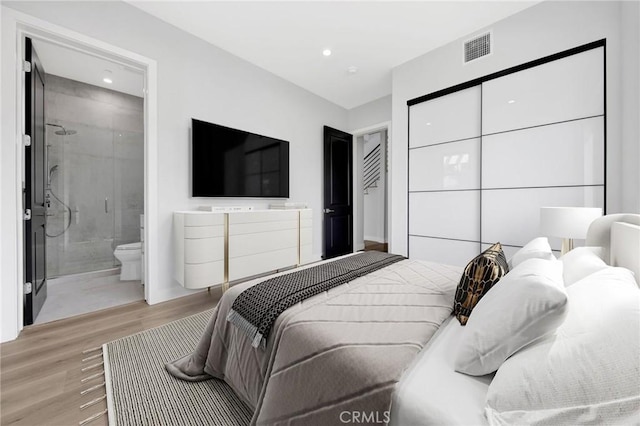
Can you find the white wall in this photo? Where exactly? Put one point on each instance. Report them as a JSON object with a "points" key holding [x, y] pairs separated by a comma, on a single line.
{"points": [[630, 35], [541, 30], [370, 114], [195, 79]]}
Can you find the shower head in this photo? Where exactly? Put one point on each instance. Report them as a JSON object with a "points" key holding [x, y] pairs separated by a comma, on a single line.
{"points": [[62, 132]]}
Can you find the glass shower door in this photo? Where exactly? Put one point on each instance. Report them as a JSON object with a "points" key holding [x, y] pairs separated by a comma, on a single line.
{"points": [[96, 173], [128, 155]]}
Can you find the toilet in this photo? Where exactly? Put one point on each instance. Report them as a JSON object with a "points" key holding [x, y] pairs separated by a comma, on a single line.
{"points": [[130, 255]]}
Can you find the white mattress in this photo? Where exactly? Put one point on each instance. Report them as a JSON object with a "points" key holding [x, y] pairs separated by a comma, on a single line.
{"points": [[431, 392]]}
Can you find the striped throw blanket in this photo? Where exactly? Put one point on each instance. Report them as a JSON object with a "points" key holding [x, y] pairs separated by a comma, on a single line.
{"points": [[255, 310]]}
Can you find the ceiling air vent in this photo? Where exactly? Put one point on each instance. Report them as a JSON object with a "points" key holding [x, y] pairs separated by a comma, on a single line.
{"points": [[477, 47]]}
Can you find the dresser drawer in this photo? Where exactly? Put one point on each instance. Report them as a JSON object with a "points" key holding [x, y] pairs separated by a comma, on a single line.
{"points": [[204, 231], [204, 275], [262, 242], [203, 250], [203, 219]]}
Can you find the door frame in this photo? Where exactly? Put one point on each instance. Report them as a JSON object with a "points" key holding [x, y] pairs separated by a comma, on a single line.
{"points": [[21, 26], [358, 206], [35, 258]]}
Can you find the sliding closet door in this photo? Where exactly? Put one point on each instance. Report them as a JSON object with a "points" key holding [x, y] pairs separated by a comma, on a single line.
{"points": [[484, 159], [444, 177], [542, 145]]}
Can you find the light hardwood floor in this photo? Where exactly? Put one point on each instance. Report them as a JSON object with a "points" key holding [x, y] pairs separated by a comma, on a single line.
{"points": [[40, 371], [375, 246]]}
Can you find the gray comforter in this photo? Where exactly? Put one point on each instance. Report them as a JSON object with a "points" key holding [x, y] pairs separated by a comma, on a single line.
{"points": [[334, 357]]}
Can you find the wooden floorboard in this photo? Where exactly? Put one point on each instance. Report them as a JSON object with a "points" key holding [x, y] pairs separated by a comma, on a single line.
{"points": [[375, 246], [40, 371]]}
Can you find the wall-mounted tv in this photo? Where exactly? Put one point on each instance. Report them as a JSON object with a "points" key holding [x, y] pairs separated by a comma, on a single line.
{"points": [[228, 162]]}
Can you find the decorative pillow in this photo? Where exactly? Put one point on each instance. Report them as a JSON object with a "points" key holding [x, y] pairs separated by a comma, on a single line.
{"points": [[479, 275], [528, 303], [537, 248], [581, 262], [588, 372]]}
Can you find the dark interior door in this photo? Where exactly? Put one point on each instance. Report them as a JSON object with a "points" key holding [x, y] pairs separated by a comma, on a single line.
{"points": [[338, 193], [34, 191]]}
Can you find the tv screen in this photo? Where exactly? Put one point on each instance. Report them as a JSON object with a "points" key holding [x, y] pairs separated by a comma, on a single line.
{"points": [[228, 162]]}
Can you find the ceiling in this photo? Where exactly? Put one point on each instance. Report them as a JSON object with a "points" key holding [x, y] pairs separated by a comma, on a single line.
{"points": [[76, 65], [287, 37]]}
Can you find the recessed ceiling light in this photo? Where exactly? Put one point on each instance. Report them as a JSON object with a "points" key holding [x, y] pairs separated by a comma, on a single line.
{"points": [[106, 77], [512, 101], [326, 52], [352, 69], [428, 124]]}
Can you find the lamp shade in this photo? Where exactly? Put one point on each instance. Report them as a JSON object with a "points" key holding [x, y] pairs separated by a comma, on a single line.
{"points": [[567, 222]]}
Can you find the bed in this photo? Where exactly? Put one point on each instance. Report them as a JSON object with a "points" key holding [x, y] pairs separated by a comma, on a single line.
{"points": [[384, 348]]}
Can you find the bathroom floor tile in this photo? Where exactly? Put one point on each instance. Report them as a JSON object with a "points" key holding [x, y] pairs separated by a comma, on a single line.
{"points": [[68, 296]]}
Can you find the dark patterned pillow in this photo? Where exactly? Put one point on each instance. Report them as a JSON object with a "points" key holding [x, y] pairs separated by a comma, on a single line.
{"points": [[478, 277]]}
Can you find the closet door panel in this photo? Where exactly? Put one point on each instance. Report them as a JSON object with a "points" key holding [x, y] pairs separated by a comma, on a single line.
{"points": [[453, 165], [448, 118], [561, 90], [560, 154], [445, 214], [509, 251], [512, 216], [450, 252]]}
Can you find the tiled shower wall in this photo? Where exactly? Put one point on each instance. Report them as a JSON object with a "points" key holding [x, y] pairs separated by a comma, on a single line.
{"points": [[100, 175]]}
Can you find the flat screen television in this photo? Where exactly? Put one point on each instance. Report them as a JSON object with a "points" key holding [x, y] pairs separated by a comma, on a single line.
{"points": [[229, 162]]}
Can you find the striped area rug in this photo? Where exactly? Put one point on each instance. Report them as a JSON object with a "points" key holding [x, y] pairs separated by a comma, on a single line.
{"points": [[141, 392]]}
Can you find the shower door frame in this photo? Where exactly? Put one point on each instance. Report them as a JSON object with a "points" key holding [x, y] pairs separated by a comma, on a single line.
{"points": [[29, 26]]}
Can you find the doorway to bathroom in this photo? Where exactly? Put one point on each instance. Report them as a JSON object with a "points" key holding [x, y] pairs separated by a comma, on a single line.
{"points": [[92, 177]]}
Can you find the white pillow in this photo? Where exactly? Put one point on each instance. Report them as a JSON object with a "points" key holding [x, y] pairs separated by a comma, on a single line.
{"points": [[588, 372], [525, 305], [581, 262], [536, 248]]}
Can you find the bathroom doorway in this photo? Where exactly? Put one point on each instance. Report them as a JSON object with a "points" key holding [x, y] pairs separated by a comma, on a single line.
{"points": [[94, 182]]}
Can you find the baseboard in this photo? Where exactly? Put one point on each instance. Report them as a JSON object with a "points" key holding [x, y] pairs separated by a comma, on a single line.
{"points": [[174, 292]]}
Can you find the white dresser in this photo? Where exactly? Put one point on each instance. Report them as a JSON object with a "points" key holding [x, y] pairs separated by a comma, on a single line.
{"points": [[199, 239], [217, 248], [261, 241], [306, 236]]}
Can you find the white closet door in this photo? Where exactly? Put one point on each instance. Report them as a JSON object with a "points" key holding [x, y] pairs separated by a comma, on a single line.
{"points": [[447, 214], [563, 154], [445, 166], [512, 216], [561, 90], [450, 252], [444, 177], [483, 160], [449, 118]]}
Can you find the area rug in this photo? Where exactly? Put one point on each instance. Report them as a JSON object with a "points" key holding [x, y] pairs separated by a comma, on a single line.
{"points": [[141, 392]]}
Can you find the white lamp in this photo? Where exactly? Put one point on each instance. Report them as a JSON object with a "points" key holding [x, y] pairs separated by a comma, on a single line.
{"points": [[568, 223]]}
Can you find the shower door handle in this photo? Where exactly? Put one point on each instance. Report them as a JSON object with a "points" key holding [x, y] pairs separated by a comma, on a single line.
{"points": [[106, 205]]}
